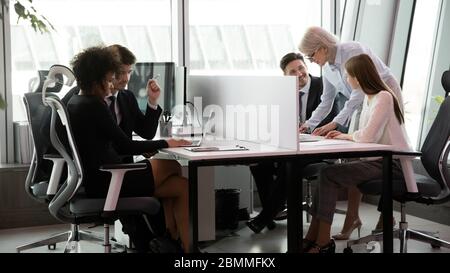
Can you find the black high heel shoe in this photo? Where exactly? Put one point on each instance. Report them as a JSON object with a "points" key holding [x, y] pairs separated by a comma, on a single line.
{"points": [[328, 248], [257, 224]]}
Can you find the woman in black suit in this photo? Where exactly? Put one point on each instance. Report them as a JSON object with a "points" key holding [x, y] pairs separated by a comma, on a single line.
{"points": [[101, 141]]}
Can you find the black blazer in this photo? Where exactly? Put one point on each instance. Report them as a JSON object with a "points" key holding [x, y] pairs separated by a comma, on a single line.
{"points": [[315, 91], [100, 141], [133, 120]]}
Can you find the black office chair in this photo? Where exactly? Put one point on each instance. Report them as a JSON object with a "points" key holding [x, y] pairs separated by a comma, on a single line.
{"points": [[43, 177], [69, 204], [432, 190], [310, 174]]}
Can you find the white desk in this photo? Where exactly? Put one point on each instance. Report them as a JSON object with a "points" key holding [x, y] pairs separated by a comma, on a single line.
{"points": [[308, 152], [255, 153]]}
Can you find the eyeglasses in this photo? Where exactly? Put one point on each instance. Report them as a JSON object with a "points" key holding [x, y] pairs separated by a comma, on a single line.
{"points": [[311, 58]]}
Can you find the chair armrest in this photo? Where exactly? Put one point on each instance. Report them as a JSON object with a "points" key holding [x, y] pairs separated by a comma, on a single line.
{"points": [[117, 174], [55, 176]]}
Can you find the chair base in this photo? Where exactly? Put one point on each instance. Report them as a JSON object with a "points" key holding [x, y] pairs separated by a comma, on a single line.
{"points": [[403, 235], [72, 239]]}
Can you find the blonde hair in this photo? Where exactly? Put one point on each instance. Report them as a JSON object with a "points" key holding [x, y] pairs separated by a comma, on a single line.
{"points": [[316, 38]]}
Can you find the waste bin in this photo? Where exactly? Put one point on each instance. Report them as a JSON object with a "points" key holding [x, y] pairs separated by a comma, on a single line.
{"points": [[227, 208]]}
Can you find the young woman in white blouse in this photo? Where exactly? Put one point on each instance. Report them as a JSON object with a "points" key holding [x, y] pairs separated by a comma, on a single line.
{"points": [[381, 122]]}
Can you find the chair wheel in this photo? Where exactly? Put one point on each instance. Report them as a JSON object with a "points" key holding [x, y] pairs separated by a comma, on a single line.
{"points": [[348, 250], [51, 247]]}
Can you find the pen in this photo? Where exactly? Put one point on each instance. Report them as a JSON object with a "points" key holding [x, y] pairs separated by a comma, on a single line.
{"points": [[166, 116]]}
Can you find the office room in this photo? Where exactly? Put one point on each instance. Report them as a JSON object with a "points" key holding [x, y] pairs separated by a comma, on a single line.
{"points": [[239, 122]]}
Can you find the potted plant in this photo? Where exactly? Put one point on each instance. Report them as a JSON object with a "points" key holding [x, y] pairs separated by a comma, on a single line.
{"points": [[26, 11]]}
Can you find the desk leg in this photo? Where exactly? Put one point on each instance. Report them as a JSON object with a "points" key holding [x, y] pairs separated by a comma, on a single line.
{"points": [[388, 235], [295, 214], [193, 207]]}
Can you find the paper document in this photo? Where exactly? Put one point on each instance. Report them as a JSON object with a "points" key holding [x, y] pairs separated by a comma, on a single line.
{"points": [[309, 138], [329, 142], [217, 148]]}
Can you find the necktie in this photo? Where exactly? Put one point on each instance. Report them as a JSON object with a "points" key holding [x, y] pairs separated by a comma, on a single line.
{"points": [[112, 107], [301, 118]]}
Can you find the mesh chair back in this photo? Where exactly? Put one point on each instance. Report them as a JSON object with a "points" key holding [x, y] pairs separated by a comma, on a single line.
{"points": [[436, 147], [38, 118], [62, 139]]}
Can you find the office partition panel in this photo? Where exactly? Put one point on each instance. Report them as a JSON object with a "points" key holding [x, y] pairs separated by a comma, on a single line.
{"points": [[261, 109]]}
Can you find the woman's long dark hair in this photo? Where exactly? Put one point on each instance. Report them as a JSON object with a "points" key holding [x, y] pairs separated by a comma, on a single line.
{"points": [[363, 69]]}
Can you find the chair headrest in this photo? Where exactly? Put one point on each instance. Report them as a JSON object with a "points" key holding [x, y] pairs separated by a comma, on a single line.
{"points": [[446, 81], [55, 77], [36, 84]]}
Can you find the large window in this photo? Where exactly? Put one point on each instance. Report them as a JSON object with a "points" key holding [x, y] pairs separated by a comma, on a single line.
{"points": [[144, 26], [418, 67], [247, 37]]}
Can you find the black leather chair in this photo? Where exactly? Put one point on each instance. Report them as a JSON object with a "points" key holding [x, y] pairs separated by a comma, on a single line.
{"points": [[432, 190]]}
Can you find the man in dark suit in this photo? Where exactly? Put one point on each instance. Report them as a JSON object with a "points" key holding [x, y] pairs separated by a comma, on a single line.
{"points": [[125, 110], [268, 176]]}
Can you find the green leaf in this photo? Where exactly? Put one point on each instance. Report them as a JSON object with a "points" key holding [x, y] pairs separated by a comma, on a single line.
{"points": [[29, 13], [2, 103], [439, 99], [20, 9]]}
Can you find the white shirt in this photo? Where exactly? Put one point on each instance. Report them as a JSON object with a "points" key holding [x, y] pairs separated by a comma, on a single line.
{"points": [[118, 114], [305, 91], [335, 81], [378, 124]]}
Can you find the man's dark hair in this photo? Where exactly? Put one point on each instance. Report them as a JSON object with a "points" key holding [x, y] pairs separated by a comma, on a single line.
{"points": [[92, 65], [289, 58], [124, 55]]}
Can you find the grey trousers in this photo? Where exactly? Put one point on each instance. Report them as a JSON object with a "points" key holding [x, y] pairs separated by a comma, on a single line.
{"points": [[345, 175]]}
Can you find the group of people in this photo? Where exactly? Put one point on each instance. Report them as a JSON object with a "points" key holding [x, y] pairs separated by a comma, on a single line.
{"points": [[104, 114], [361, 101]]}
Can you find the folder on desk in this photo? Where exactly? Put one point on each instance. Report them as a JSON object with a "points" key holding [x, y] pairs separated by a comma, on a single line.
{"points": [[217, 148]]}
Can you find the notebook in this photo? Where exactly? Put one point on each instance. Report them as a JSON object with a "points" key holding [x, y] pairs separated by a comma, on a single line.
{"points": [[194, 143], [217, 148], [309, 138]]}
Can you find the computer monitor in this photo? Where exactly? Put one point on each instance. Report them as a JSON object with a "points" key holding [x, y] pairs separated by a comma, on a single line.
{"points": [[164, 72]]}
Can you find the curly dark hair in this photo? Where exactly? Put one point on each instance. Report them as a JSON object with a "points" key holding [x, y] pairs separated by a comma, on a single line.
{"points": [[92, 65]]}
